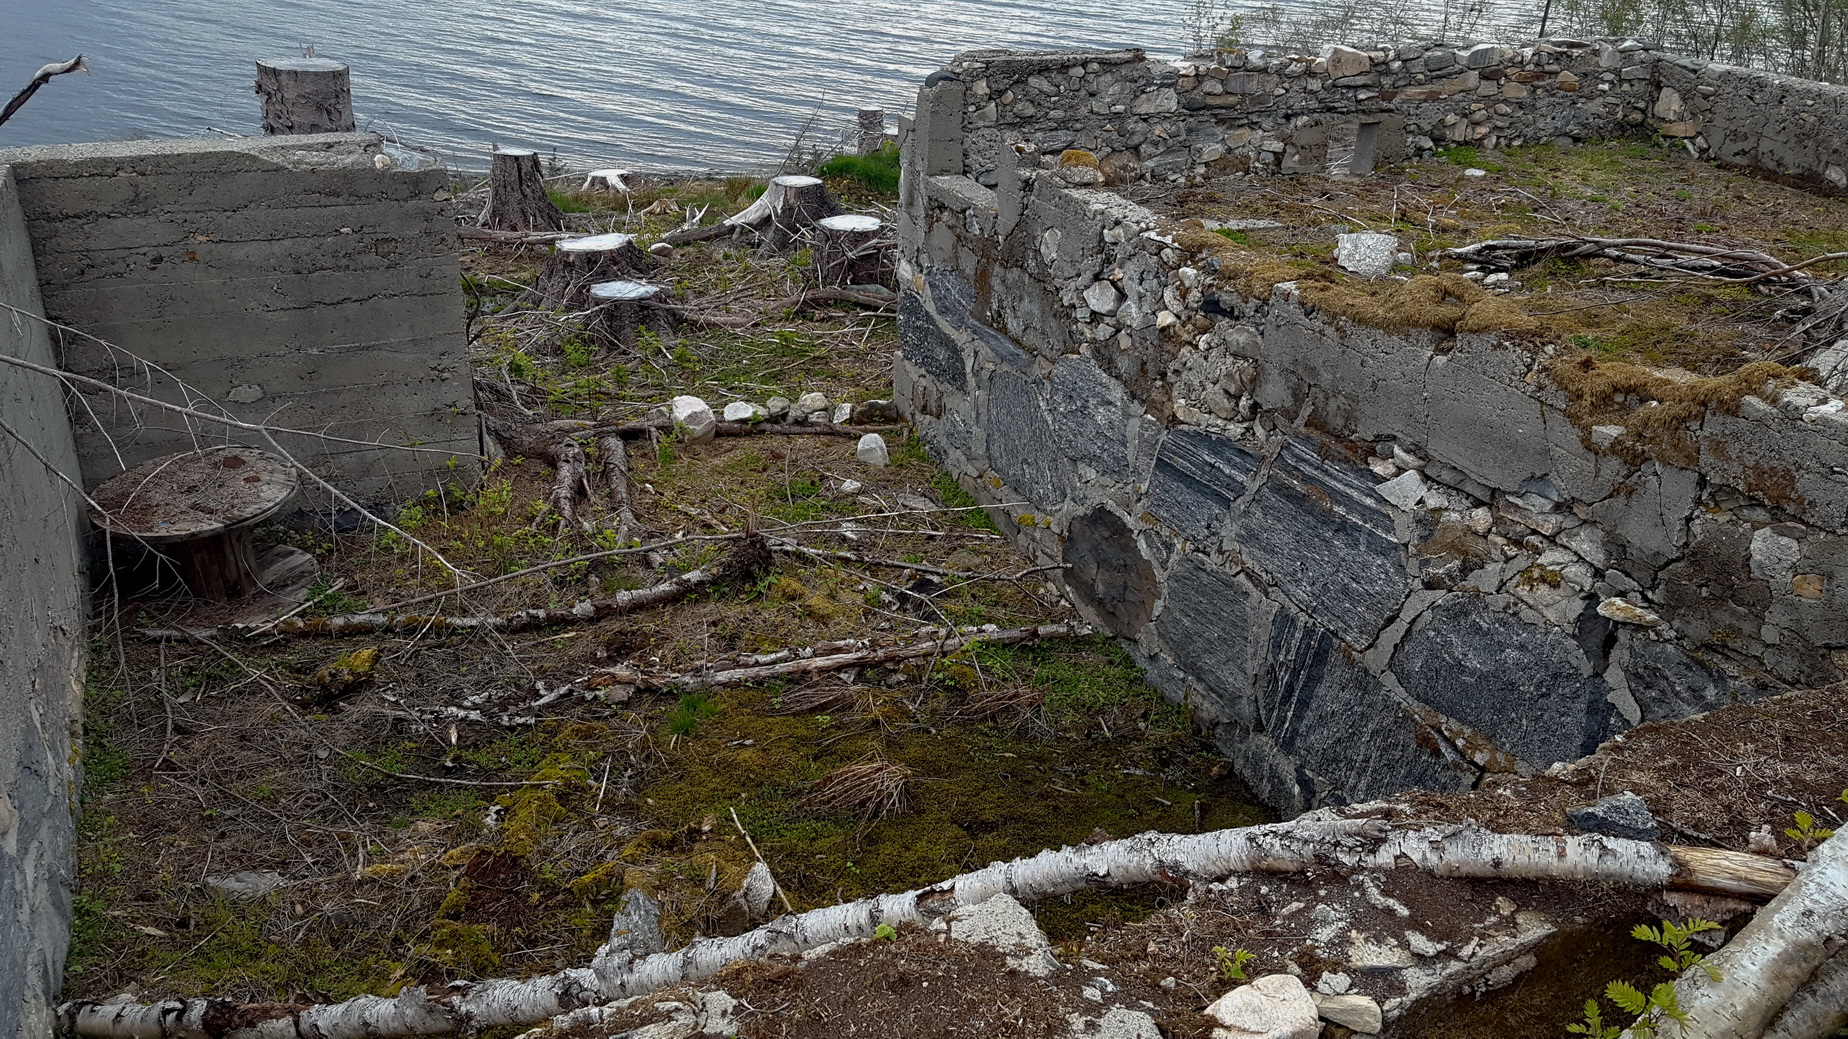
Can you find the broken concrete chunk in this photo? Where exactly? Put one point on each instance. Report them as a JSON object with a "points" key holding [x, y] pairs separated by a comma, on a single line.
{"points": [[744, 411], [1276, 1006], [1368, 254], [842, 414], [1361, 1013], [1404, 491], [872, 450], [1620, 815], [694, 418]]}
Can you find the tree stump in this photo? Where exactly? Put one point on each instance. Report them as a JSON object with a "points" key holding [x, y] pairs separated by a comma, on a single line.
{"points": [[626, 306], [200, 507], [516, 194], [579, 263], [616, 181], [305, 95], [799, 203], [851, 249], [872, 130]]}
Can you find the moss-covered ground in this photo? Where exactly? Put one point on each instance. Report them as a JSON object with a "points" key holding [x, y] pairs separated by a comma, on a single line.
{"points": [[418, 813], [1616, 189]]}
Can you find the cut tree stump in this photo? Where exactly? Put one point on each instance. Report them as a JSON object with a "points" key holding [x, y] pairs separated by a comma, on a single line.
{"points": [[626, 306], [851, 249], [579, 263], [305, 95], [802, 203], [516, 194], [199, 508], [872, 125]]}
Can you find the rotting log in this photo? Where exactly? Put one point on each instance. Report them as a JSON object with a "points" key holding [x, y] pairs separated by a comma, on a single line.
{"points": [[615, 454], [578, 263], [1452, 851], [871, 123], [516, 194], [305, 95]]}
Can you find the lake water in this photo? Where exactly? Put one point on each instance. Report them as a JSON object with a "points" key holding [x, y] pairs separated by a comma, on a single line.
{"points": [[661, 84]]}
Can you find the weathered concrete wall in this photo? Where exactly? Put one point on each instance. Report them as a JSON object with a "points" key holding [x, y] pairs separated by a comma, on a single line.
{"points": [[1793, 127], [1367, 559], [1252, 111], [290, 279], [41, 644]]}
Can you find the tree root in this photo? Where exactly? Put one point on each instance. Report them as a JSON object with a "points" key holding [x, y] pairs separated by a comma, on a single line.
{"points": [[1451, 851]]}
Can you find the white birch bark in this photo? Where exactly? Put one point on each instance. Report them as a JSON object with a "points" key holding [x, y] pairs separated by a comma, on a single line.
{"points": [[1775, 955], [1452, 851], [1820, 1007]]}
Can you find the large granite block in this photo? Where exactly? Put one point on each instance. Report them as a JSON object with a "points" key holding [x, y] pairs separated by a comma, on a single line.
{"points": [[1197, 476]]}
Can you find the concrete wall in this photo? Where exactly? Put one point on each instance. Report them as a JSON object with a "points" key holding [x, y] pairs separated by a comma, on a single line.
{"points": [[291, 280], [1366, 559], [1266, 112], [41, 644]]}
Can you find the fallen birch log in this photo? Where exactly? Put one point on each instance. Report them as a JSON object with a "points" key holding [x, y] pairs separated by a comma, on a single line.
{"points": [[488, 234], [1820, 1007], [1775, 955], [1455, 851]]}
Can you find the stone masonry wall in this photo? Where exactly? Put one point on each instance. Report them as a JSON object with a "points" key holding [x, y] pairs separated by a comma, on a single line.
{"points": [[1367, 560], [1349, 108], [41, 650], [292, 280]]}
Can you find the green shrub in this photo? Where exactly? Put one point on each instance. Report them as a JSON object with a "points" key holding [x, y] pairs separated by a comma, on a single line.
{"points": [[877, 173]]}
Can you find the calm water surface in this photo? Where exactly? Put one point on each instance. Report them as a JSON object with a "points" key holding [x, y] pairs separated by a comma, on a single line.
{"points": [[663, 84]]}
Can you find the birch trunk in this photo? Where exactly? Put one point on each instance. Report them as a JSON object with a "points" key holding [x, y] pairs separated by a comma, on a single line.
{"points": [[1458, 851], [1775, 955], [1820, 1008]]}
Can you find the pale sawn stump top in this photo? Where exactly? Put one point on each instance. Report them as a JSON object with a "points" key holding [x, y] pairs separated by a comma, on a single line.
{"points": [[623, 290], [194, 494], [851, 222], [601, 243]]}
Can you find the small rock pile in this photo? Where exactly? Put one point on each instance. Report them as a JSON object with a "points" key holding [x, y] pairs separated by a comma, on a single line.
{"points": [[697, 423]]}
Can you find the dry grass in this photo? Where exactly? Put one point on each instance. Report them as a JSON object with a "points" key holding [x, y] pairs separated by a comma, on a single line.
{"points": [[870, 789]]}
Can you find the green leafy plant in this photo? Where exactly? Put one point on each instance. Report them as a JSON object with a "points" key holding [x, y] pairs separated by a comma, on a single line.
{"points": [[684, 718], [1232, 962], [1660, 1004], [1806, 829], [885, 933]]}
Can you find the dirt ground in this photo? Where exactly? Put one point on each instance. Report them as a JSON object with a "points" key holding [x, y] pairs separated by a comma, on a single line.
{"points": [[410, 807]]}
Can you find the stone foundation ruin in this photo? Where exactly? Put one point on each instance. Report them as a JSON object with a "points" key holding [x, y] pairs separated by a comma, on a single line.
{"points": [[1207, 445]]}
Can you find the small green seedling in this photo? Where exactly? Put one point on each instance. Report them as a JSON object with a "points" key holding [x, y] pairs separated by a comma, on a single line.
{"points": [[885, 933], [1232, 964]]}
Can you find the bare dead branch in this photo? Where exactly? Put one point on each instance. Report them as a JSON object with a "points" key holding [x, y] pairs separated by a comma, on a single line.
{"points": [[39, 79]]}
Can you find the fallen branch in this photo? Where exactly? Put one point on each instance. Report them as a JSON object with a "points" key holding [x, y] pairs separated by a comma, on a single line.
{"points": [[357, 760], [39, 79], [746, 558], [799, 301], [488, 234], [1459, 851], [616, 474], [571, 480], [1737, 266], [899, 564]]}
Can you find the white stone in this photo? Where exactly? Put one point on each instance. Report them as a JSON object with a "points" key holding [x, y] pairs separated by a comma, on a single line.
{"points": [[1422, 946], [851, 486], [249, 393], [1346, 61], [809, 403], [1605, 436], [694, 418], [1383, 467], [1474, 172], [1005, 925], [1117, 1023], [1405, 459], [872, 450], [1368, 254], [1103, 298], [1361, 1013], [1404, 491], [843, 414], [1166, 319], [1774, 556], [1333, 984], [248, 886], [778, 407], [1623, 611], [1276, 1006], [744, 411]]}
